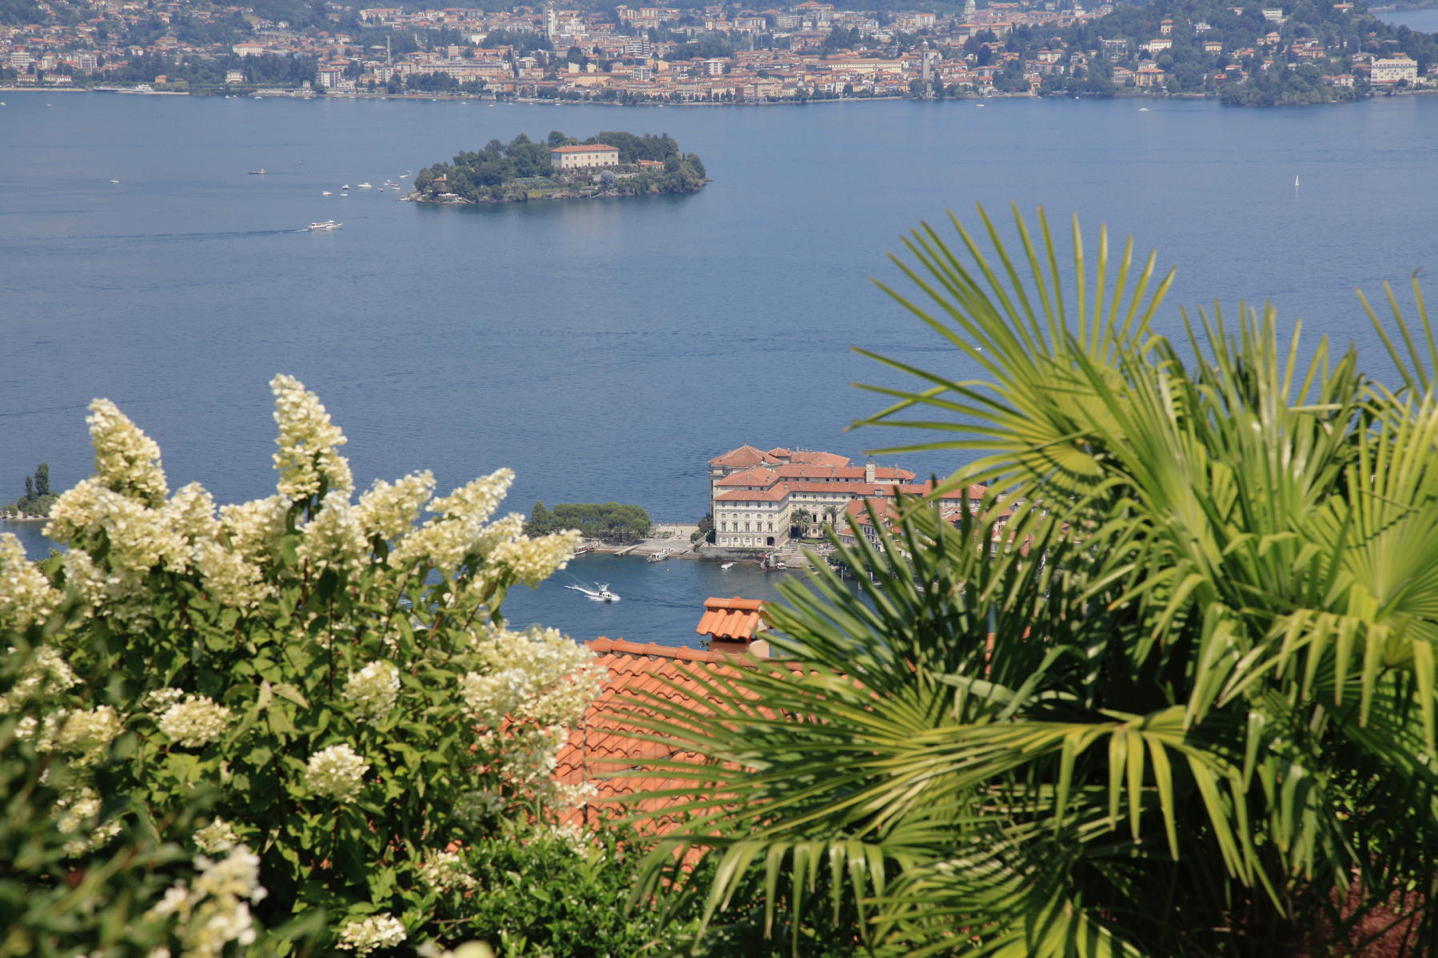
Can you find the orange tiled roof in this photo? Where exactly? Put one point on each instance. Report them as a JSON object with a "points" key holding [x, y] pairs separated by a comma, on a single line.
{"points": [[598, 749], [734, 618], [742, 458], [757, 476]]}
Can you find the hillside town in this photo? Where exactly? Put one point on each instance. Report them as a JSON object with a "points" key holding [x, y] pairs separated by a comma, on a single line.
{"points": [[718, 53]]}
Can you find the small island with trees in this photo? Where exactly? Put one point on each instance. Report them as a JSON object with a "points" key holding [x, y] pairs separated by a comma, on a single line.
{"points": [[36, 502], [608, 164]]}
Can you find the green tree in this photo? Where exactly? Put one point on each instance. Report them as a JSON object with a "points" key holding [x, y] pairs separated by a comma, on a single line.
{"points": [[1180, 701]]}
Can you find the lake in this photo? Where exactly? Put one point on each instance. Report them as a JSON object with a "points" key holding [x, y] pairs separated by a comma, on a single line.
{"points": [[606, 349]]}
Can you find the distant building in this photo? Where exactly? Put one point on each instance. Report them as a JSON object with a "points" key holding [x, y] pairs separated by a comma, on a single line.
{"points": [[594, 156], [1391, 70]]}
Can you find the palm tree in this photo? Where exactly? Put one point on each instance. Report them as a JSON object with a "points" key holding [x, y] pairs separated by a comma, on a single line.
{"points": [[1185, 707]]}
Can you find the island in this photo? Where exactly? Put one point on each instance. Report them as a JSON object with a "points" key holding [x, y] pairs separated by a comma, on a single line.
{"points": [[608, 164]]}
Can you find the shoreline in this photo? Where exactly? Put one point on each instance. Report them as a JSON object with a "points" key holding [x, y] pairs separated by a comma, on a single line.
{"points": [[660, 104]]}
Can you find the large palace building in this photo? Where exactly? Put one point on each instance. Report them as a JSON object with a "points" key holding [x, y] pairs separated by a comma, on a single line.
{"points": [[758, 496]]}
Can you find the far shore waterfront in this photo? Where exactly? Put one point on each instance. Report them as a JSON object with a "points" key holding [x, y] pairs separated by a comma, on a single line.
{"points": [[1127, 94]]}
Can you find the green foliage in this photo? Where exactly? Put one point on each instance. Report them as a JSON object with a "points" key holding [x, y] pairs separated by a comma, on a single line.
{"points": [[317, 678], [17, 12], [1179, 701], [546, 892], [608, 521]]}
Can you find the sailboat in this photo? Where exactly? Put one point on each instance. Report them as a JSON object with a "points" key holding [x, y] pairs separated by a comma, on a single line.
{"points": [[600, 592], [1295, 182]]}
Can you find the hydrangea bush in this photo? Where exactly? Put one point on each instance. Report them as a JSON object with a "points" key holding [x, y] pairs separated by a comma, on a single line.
{"points": [[329, 677]]}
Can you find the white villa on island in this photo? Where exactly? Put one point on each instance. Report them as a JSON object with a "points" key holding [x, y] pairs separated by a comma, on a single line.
{"points": [[757, 495], [592, 157]]}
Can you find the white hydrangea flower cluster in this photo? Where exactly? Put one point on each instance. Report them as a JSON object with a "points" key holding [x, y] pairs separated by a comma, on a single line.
{"points": [[371, 934], [445, 872], [194, 722], [530, 757], [531, 561], [334, 537], [389, 511], [84, 734], [373, 690], [308, 439], [126, 460], [229, 578], [459, 528], [534, 676], [77, 813], [214, 910], [45, 675], [336, 772], [218, 836], [26, 596], [253, 529]]}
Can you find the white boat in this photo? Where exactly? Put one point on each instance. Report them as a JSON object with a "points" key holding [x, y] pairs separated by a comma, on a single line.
{"points": [[600, 592], [659, 556], [323, 226], [366, 186], [345, 187], [326, 193], [116, 181], [259, 172], [727, 565]]}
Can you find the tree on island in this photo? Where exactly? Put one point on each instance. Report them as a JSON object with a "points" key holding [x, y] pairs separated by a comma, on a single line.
{"points": [[609, 521], [38, 497]]}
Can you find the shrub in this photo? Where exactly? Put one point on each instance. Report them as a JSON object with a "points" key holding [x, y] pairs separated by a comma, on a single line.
{"points": [[317, 679]]}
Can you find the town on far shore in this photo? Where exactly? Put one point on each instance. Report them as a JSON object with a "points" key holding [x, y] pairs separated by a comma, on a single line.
{"points": [[1247, 53]]}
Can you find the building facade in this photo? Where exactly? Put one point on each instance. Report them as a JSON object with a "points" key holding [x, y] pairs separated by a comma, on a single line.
{"points": [[592, 157]]}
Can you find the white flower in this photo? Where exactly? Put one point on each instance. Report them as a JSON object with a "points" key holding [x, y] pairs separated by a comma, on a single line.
{"points": [[230, 579], [195, 722], [334, 537], [191, 511], [215, 910], [372, 933], [46, 674], [373, 689], [337, 772], [388, 511], [254, 528], [476, 500], [126, 460], [73, 514], [444, 872], [307, 441], [26, 596], [537, 675], [85, 732], [77, 813], [531, 561], [218, 836]]}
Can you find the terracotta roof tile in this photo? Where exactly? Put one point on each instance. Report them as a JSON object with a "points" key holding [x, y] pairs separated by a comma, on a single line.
{"points": [[734, 618]]}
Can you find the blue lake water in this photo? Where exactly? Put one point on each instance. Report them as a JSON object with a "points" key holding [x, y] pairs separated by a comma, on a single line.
{"points": [[606, 349], [1425, 19]]}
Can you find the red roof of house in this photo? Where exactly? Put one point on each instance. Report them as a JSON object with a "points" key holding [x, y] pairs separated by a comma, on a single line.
{"points": [[598, 749], [742, 458], [757, 476], [734, 618]]}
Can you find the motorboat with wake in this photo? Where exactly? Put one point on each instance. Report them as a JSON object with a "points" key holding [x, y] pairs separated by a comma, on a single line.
{"points": [[323, 226], [600, 592]]}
